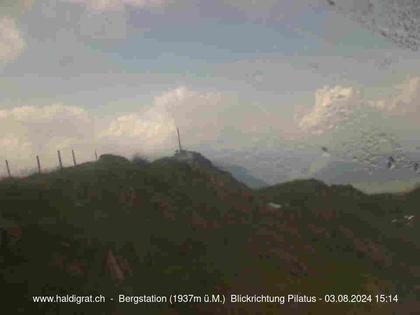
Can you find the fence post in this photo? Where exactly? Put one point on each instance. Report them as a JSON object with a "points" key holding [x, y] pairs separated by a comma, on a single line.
{"points": [[39, 164], [8, 168], [59, 159], [179, 140], [74, 157]]}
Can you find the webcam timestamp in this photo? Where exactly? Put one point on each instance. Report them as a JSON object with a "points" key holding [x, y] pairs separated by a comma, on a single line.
{"points": [[360, 298]]}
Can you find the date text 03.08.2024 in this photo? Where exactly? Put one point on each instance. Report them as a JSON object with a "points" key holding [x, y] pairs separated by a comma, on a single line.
{"points": [[360, 298]]}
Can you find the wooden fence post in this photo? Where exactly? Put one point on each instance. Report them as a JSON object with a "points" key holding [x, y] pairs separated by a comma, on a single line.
{"points": [[74, 157], [39, 164], [8, 168], [59, 159]]}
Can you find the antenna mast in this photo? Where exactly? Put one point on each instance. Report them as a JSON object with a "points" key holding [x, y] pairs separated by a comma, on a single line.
{"points": [[179, 139]]}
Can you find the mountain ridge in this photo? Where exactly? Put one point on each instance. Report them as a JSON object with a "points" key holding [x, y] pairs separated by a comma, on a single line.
{"points": [[117, 226]]}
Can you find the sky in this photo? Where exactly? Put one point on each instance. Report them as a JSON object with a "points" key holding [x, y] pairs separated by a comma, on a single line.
{"points": [[261, 84]]}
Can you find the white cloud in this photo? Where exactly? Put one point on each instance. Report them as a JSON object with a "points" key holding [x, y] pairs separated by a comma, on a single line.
{"points": [[205, 119], [405, 102], [31, 114], [12, 43], [153, 129], [345, 105], [333, 107], [365, 130]]}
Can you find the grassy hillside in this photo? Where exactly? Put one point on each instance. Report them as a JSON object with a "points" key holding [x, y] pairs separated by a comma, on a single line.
{"points": [[180, 225]]}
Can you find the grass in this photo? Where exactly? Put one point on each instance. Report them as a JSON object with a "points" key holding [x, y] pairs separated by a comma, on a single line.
{"points": [[179, 227]]}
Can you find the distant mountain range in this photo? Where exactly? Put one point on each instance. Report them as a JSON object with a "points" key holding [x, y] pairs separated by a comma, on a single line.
{"points": [[243, 175], [374, 180], [332, 171]]}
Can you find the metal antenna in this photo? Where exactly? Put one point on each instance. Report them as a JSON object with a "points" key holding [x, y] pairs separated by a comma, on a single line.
{"points": [[179, 140]]}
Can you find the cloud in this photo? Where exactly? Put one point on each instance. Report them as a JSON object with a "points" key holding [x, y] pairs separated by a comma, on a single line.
{"points": [[405, 102], [337, 106], [361, 129], [12, 43], [153, 129], [27, 131], [106, 5], [210, 122], [334, 106], [207, 120]]}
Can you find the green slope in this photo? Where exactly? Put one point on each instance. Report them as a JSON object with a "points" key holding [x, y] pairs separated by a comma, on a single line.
{"points": [[181, 225]]}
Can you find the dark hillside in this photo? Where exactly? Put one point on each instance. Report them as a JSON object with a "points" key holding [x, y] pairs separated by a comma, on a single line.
{"points": [[180, 225]]}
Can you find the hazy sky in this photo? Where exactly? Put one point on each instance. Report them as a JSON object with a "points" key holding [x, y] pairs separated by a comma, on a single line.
{"points": [[243, 79]]}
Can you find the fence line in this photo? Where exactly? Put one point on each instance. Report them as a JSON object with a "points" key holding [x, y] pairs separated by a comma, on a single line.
{"points": [[38, 162]]}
